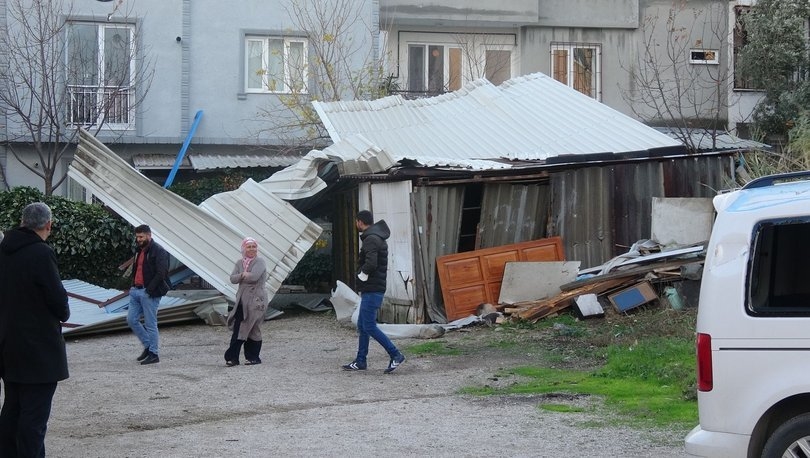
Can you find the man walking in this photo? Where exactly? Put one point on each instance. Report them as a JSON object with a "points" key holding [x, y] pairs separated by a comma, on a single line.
{"points": [[33, 303], [149, 284], [372, 276]]}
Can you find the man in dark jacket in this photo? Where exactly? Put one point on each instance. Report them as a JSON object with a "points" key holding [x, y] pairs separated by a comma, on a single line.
{"points": [[372, 276], [33, 303], [149, 284]]}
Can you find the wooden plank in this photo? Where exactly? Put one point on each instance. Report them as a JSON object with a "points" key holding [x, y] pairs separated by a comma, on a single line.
{"points": [[474, 277], [633, 272], [536, 310]]}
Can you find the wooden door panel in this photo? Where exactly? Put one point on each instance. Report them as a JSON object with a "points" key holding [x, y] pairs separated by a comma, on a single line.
{"points": [[470, 297], [474, 277], [541, 253], [464, 271], [496, 263]]}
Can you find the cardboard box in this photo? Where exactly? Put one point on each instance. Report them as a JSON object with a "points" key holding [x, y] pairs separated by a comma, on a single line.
{"points": [[633, 296]]}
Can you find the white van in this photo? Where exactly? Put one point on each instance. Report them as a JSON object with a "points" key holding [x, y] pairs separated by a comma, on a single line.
{"points": [[753, 324]]}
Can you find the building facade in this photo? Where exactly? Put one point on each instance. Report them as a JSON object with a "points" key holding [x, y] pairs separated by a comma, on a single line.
{"points": [[139, 73], [619, 53]]}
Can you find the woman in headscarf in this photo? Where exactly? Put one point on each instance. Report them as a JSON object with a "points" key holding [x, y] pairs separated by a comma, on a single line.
{"points": [[250, 272]]}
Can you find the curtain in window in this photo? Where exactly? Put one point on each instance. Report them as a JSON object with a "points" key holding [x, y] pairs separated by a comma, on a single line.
{"points": [[255, 70], [416, 68], [83, 68], [297, 66], [275, 65]]}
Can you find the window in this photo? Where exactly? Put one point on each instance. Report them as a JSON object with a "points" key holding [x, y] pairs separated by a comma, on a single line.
{"points": [[704, 56], [498, 66], [428, 65], [777, 282], [275, 65], [75, 191], [740, 40], [579, 66], [434, 63], [100, 65]]}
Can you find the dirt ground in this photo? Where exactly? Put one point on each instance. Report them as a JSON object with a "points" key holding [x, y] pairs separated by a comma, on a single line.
{"points": [[299, 402]]}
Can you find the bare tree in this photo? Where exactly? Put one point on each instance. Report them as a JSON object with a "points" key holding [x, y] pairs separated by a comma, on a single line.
{"points": [[666, 88], [337, 65], [58, 75]]}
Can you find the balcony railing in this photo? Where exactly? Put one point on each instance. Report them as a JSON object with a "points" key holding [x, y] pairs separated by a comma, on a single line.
{"points": [[411, 95], [90, 105]]}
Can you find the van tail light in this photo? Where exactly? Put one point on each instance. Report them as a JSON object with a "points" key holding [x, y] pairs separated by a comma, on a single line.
{"points": [[705, 380]]}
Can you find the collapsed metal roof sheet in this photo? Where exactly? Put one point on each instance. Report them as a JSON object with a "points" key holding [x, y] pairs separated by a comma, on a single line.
{"points": [[206, 240], [529, 118], [96, 309]]}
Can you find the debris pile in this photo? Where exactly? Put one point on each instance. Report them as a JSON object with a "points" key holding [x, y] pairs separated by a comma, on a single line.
{"points": [[643, 275]]}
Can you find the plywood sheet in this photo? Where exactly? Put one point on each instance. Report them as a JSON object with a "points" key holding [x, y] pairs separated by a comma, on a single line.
{"points": [[531, 281], [474, 277]]}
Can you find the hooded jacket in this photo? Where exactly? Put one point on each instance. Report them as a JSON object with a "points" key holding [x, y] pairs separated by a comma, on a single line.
{"points": [[33, 303], [374, 257]]}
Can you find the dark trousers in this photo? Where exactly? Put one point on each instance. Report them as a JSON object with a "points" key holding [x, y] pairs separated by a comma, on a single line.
{"points": [[24, 419], [232, 353], [252, 347]]}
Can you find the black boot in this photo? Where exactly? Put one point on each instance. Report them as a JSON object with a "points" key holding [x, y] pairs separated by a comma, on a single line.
{"points": [[252, 350]]}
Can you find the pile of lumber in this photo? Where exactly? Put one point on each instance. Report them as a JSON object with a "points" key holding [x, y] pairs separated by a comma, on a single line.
{"points": [[668, 270]]}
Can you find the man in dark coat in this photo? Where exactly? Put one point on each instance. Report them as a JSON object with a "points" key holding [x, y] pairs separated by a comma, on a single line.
{"points": [[373, 274], [33, 304], [150, 282]]}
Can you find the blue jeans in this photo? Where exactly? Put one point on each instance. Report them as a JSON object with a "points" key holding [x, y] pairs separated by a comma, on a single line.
{"points": [[370, 303], [141, 304]]}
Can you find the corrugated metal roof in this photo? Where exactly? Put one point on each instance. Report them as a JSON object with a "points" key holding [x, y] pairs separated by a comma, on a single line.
{"points": [[529, 118], [202, 161], [157, 161], [197, 237], [702, 139]]}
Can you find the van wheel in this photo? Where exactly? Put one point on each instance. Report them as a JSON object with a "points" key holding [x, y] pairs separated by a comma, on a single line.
{"points": [[791, 439]]}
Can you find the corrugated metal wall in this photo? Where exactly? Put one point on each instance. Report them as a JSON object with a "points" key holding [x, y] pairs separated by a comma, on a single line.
{"points": [[437, 221], [512, 213], [601, 211], [581, 209]]}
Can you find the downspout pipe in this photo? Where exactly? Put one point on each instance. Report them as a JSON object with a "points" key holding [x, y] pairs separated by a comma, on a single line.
{"points": [[182, 153]]}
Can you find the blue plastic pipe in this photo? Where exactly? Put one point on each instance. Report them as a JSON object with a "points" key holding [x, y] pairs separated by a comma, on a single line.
{"points": [[182, 152]]}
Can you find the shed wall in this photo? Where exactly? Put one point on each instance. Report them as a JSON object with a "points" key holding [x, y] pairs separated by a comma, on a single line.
{"points": [[601, 211]]}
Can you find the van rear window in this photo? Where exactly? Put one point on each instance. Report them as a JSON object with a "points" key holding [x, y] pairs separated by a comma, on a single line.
{"points": [[779, 270]]}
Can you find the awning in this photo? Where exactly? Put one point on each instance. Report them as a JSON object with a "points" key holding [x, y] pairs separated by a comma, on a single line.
{"points": [[204, 161]]}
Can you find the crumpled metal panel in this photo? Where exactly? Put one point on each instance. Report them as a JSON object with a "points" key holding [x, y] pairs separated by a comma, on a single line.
{"points": [[528, 118], [357, 155], [200, 239], [300, 180], [283, 233]]}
